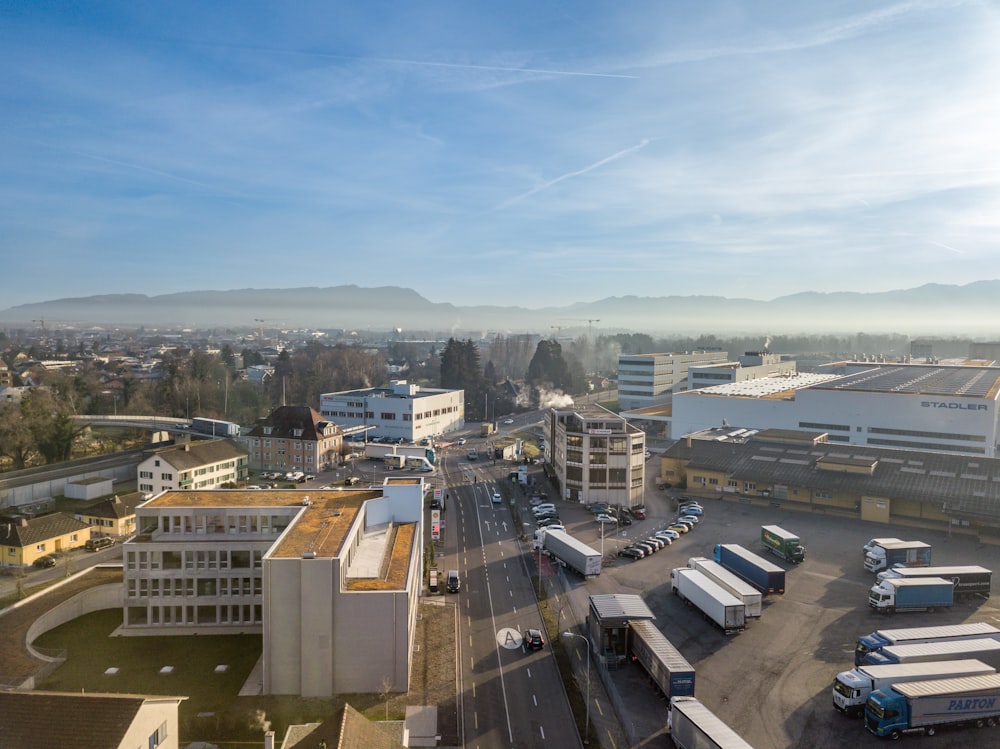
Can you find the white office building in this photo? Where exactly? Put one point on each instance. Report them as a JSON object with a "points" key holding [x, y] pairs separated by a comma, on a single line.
{"points": [[402, 410], [646, 380], [753, 365], [937, 408]]}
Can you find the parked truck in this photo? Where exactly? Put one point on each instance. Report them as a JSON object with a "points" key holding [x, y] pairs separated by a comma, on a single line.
{"points": [[983, 649], [765, 576], [573, 553], [897, 594], [851, 688], [903, 553], [716, 603], [970, 580], [394, 461], [375, 451], [872, 543], [751, 597], [694, 726], [880, 638], [926, 706], [783, 544], [663, 662], [487, 428]]}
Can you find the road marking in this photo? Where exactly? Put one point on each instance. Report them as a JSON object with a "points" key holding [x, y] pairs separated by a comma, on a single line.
{"points": [[470, 640], [541, 730], [597, 703], [475, 720], [509, 638], [535, 700], [529, 672], [472, 664], [515, 609], [473, 690], [612, 740], [578, 656]]}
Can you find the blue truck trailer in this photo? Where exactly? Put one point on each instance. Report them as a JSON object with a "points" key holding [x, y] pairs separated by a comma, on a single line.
{"points": [[926, 706], [880, 638], [918, 594], [765, 576], [662, 661]]}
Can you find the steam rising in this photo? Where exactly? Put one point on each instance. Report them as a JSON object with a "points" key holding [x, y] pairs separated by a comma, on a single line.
{"points": [[553, 399]]}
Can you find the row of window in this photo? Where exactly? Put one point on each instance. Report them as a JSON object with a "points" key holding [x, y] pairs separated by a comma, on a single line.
{"points": [[143, 616], [236, 523], [201, 559], [192, 587]]}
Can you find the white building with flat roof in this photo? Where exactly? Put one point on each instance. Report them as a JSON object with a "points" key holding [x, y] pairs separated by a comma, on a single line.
{"points": [[936, 408], [752, 365], [402, 410], [646, 380], [331, 579]]}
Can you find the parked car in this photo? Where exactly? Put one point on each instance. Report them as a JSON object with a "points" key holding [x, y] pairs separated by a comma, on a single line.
{"points": [[543, 507], [45, 562], [646, 546], [551, 523], [658, 543], [662, 536], [633, 552], [550, 515], [352, 480], [605, 520], [673, 535], [678, 528], [533, 639], [689, 519], [686, 523], [639, 513]]}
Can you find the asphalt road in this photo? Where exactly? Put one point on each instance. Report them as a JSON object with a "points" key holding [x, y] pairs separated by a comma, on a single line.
{"points": [[509, 697]]}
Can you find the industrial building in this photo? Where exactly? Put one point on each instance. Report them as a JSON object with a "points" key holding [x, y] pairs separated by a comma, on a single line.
{"points": [[401, 411], [646, 380], [595, 455], [943, 408], [802, 470], [752, 365], [331, 579]]}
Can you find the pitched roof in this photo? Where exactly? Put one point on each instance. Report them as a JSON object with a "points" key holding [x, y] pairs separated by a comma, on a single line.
{"points": [[285, 421], [67, 720], [36, 530], [203, 452], [352, 731], [115, 508]]}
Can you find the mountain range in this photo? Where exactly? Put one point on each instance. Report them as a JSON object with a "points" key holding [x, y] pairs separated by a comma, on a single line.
{"points": [[971, 310]]}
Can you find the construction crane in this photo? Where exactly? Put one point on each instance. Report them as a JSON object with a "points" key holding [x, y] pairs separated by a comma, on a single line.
{"points": [[41, 325], [590, 324]]}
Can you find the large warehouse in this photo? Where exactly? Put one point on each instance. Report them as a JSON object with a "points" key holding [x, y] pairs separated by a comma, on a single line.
{"points": [[940, 408]]}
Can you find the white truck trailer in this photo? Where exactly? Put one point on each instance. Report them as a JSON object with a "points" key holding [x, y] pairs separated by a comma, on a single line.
{"points": [[572, 552], [716, 603], [694, 726], [751, 597], [851, 688]]}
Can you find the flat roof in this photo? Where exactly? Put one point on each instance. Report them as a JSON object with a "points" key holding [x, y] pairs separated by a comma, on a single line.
{"points": [[977, 382], [781, 385]]}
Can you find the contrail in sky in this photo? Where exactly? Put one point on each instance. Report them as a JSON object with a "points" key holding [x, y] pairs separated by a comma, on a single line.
{"points": [[496, 68], [546, 185]]}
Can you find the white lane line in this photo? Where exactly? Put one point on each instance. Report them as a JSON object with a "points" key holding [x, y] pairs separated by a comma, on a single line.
{"points": [[535, 700], [541, 730], [529, 672]]}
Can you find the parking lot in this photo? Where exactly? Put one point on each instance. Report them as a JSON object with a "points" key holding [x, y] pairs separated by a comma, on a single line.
{"points": [[770, 683]]}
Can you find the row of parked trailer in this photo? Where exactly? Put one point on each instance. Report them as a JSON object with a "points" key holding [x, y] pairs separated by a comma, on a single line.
{"points": [[922, 679], [690, 723]]}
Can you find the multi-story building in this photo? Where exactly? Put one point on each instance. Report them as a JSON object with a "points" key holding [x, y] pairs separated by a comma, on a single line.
{"points": [[595, 455], [204, 464], [751, 366], [331, 579], [942, 408], [401, 411], [646, 380], [293, 438]]}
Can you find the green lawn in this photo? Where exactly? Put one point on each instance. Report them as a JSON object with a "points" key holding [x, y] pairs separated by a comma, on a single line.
{"points": [[213, 711]]}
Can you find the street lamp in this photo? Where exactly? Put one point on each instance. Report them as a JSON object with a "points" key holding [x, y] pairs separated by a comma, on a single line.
{"points": [[586, 729]]}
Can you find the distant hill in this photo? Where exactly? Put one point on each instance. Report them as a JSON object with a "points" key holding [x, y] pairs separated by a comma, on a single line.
{"points": [[934, 309]]}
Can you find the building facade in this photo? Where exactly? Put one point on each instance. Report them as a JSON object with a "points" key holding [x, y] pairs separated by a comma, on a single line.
{"points": [[907, 406], [204, 464], [293, 438], [25, 540], [751, 366], [646, 380], [401, 411], [595, 455], [330, 579]]}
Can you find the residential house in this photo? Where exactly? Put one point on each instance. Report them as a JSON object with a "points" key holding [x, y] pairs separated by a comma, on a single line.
{"points": [[112, 517], [26, 539], [294, 438], [204, 464]]}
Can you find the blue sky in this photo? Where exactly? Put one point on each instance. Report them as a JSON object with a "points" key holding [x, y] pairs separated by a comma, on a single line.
{"points": [[515, 153]]}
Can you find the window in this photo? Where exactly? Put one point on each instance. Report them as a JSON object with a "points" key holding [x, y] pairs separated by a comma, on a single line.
{"points": [[158, 736]]}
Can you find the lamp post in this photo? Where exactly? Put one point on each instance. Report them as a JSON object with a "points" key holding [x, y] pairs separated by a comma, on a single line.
{"points": [[586, 728]]}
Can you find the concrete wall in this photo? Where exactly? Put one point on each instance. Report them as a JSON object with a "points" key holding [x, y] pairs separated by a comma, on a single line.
{"points": [[154, 713], [282, 625], [95, 599]]}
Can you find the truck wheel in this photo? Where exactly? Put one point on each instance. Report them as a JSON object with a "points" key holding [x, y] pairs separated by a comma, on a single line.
{"points": [[895, 735], [931, 731], [991, 722], [930, 610], [980, 723]]}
